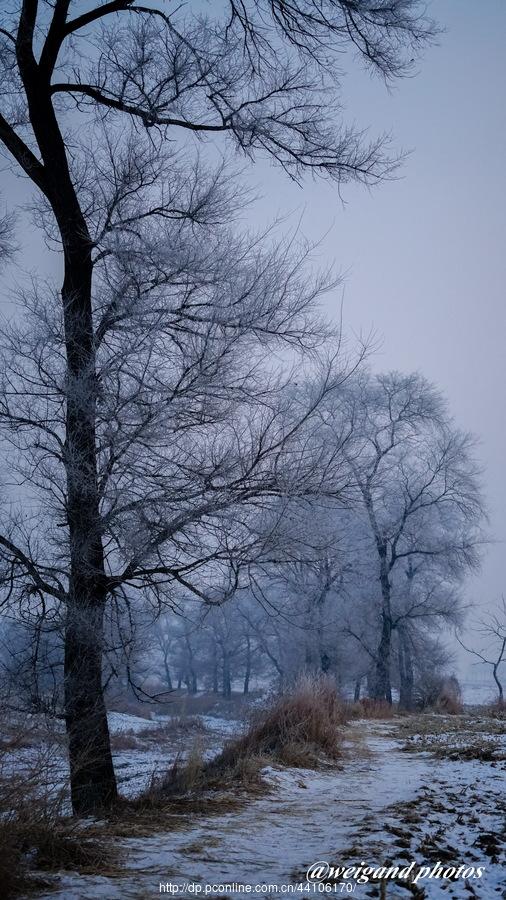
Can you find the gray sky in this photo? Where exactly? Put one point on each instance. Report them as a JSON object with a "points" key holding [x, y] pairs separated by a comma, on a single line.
{"points": [[425, 256]]}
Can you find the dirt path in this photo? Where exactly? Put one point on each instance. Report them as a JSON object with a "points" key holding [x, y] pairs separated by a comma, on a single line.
{"points": [[383, 806]]}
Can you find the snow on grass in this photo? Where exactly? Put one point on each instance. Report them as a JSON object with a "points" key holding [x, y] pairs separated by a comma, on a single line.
{"points": [[229, 727], [121, 722], [383, 805], [273, 839]]}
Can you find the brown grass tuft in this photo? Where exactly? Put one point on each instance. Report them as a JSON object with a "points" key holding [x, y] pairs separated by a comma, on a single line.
{"points": [[301, 729], [125, 740], [370, 709], [36, 832]]}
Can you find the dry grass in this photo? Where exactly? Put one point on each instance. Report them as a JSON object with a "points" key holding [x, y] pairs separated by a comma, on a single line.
{"points": [[370, 709], [301, 729], [125, 740], [467, 747], [33, 842], [180, 703], [476, 721], [35, 834], [177, 726], [472, 736], [497, 709], [154, 811]]}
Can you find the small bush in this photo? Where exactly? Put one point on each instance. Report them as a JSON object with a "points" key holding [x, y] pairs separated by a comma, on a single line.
{"points": [[301, 729], [441, 694], [298, 730], [497, 709]]}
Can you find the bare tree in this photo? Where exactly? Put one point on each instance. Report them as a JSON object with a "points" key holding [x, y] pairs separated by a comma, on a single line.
{"points": [[417, 479], [493, 629]]}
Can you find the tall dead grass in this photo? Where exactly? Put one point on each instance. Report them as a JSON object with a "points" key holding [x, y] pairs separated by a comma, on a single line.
{"points": [[367, 708], [301, 729], [37, 834], [497, 709]]}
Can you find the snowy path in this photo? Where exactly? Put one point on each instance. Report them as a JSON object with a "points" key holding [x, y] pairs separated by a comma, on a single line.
{"points": [[343, 816]]}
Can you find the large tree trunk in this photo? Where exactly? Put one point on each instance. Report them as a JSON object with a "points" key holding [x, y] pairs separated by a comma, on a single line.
{"points": [[92, 779], [381, 687], [92, 775]]}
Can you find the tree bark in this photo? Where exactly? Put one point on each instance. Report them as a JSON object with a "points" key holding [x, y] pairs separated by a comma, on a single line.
{"points": [[86, 717], [92, 780], [381, 687], [168, 677], [498, 683]]}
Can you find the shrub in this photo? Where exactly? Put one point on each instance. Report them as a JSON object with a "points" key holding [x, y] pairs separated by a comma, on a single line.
{"points": [[440, 693], [300, 729], [497, 709]]}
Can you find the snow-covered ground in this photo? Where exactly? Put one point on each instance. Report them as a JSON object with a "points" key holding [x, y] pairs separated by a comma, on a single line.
{"points": [[136, 767], [391, 802]]}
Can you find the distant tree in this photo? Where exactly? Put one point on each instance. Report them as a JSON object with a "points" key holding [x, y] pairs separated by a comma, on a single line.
{"points": [[164, 640], [31, 659], [417, 479], [493, 629]]}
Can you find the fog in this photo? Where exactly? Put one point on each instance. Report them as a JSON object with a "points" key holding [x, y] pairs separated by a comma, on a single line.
{"points": [[423, 256]]}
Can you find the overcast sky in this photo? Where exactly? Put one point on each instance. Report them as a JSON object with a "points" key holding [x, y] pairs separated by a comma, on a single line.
{"points": [[425, 256]]}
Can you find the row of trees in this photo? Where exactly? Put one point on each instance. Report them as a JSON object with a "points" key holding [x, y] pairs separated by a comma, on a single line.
{"points": [[353, 590], [348, 582], [174, 403]]}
